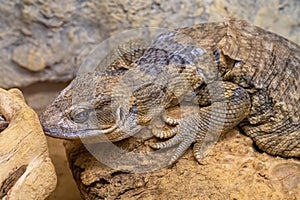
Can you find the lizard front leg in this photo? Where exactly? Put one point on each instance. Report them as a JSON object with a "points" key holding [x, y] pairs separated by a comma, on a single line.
{"points": [[229, 104]]}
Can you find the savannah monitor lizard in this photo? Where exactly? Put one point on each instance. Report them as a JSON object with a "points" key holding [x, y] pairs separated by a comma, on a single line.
{"points": [[237, 75]]}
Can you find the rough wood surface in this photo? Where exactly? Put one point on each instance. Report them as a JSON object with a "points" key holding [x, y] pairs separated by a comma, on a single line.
{"points": [[26, 169]]}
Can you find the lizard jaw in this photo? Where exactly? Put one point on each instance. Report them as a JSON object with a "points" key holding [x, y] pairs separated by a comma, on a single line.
{"points": [[87, 133]]}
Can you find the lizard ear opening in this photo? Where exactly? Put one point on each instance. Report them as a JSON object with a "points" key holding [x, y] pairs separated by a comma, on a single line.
{"points": [[121, 114]]}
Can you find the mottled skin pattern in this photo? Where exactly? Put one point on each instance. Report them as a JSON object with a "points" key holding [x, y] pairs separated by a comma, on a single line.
{"points": [[238, 75]]}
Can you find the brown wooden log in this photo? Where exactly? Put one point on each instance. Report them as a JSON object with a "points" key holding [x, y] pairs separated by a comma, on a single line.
{"points": [[234, 169], [26, 169]]}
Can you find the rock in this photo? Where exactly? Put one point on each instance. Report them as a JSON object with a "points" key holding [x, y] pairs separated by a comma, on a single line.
{"points": [[31, 58], [232, 170], [26, 169], [51, 39]]}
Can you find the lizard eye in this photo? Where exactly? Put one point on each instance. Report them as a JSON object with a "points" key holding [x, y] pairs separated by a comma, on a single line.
{"points": [[80, 115]]}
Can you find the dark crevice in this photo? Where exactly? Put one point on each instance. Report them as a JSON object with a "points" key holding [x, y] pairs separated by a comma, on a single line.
{"points": [[116, 173], [10, 181], [257, 148], [103, 181], [126, 190], [3, 123]]}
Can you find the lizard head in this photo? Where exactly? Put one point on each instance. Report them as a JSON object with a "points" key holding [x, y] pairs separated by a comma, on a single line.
{"points": [[83, 108]]}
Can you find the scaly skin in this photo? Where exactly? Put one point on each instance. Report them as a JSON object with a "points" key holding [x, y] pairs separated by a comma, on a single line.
{"points": [[240, 75], [90, 94]]}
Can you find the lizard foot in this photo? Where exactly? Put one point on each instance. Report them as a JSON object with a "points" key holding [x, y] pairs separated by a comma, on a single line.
{"points": [[201, 147], [185, 135], [230, 104]]}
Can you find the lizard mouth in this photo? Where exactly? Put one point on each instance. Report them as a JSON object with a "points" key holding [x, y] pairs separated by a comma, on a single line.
{"points": [[58, 133]]}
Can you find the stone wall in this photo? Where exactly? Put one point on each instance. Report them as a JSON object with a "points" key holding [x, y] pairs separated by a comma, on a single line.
{"points": [[45, 40]]}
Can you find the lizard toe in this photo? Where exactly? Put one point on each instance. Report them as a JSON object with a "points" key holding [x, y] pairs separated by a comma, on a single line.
{"points": [[169, 143], [165, 134], [181, 149], [170, 121]]}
